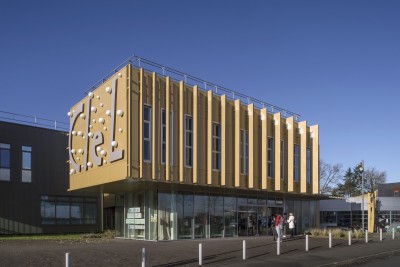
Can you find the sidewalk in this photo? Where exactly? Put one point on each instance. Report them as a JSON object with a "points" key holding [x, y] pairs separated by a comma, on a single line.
{"points": [[261, 251]]}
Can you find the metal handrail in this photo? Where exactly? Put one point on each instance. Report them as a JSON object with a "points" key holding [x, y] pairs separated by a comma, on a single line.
{"points": [[33, 120], [204, 85]]}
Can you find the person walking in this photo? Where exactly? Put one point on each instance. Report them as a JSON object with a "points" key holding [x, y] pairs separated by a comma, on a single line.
{"points": [[278, 227], [273, 230], [290, 221]]}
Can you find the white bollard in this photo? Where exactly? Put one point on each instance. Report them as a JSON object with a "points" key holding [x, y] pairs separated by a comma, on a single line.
{"points": [[380, 234], [67, 259], [330, 239], [349, 238], [200, 254], [366, 236], [143, 257], [306, 242], [244, 249], [392, 233], [278, 246]]}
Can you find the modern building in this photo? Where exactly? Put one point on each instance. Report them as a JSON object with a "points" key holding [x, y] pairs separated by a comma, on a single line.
{"points": [[34, 182], [347, 213], [186, 158]]}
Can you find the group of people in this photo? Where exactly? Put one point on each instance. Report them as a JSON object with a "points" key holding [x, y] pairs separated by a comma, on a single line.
{"points": [[279, 223]]}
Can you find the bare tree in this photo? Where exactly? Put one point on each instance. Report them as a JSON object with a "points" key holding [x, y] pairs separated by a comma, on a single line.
{"points": [[373, 177], [330, 176]]}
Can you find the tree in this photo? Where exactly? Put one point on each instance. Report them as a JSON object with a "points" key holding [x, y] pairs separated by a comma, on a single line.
{"points": [[373, 177], [330, 175]]}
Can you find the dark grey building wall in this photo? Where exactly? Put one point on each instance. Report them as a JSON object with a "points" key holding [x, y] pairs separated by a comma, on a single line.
{"points": [[20, 202]]}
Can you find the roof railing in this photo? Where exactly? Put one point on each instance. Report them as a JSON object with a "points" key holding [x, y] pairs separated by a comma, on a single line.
{"points": [[33, 121], [191, 80]]}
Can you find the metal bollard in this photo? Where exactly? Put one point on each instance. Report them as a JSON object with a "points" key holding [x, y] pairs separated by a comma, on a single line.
{"points": [[330, 239], [306, 242], [200, 254], [366, 236], [349, 238], [278, 246], [143, 257], [380, 235], [67, 259], [392, 233], [244, 249]]}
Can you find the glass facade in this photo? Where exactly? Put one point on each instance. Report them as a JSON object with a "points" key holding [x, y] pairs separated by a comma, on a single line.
{"points": [[164, 212]]}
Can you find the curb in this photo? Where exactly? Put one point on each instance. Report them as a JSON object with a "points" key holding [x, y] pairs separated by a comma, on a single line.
{"points": [[362, 259]]}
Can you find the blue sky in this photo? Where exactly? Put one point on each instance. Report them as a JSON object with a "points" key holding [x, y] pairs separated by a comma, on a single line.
{"points": [[336, 63]]}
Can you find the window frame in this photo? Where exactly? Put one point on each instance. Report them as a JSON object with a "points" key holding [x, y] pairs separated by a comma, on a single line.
{"points": [[187, 147], [162, 137], [26, 150], [270, 157], [244, 152], [148, 160], [216, 151], [5, 166]]}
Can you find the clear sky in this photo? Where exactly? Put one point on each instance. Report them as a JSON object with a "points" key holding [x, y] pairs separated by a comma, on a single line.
{"points": [[336, 63]]}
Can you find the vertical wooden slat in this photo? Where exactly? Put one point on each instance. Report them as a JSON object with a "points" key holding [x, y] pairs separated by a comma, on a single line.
{"points": [[237, 143], [303, 156], [315, 158], [209, 136], [195, 136], [154, 153], [264, 148], [290, 147], [181, 133], [167, 128], [223, 140], [250, 112], [277, 148]]}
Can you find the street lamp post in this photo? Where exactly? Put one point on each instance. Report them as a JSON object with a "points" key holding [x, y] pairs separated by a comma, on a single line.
{"points": [[360, 168]]}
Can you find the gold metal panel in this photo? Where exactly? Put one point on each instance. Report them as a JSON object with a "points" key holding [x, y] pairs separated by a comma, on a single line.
{"points": [[167, 128], [154, 158], [277, 149], [141, 163], [250, 112], [223, 140], [181, 133], [290, 147], [264, 148], [237, 143], [195, 134], [98, 138], [315, 158], [303, 156], [209, 136]]}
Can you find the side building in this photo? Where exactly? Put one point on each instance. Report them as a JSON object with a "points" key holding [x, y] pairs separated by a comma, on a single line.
{"points": [[186, 162], [34, 182]]}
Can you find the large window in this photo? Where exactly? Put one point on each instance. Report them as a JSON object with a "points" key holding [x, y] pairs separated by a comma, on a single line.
{"points": [[188, 141], [296, 163], [26, 172], [270, 160], [216, 146], [244, 151], [147, 133], [308, 165], [68, 210], [4, 162], [164, 137]]}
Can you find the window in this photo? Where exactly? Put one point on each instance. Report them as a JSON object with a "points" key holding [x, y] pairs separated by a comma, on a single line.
{"points": [[188, 141], [308, 165], [282, 159], [68, 210], [216, 146], [4, 162], [164, 137], [146, 133], [244, 151], [270, 160], [296, 163], [26, 172]]}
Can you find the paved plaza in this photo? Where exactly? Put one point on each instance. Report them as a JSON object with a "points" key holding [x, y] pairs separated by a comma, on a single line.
{"points": [[260, 251]]}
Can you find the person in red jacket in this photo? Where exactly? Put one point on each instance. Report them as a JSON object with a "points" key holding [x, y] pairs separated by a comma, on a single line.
{"points": [[279, 226]]}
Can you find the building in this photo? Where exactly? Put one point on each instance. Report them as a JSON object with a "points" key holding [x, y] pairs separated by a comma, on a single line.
{"points": [[347, 213], [188, 159], [34, 182]]}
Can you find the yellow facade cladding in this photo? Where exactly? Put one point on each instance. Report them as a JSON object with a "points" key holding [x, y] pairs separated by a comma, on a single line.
{"points": [[116, 150]]}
